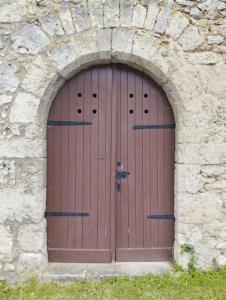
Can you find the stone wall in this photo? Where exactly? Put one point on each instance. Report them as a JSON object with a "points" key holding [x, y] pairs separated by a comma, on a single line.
{"points": [[181, 44]]}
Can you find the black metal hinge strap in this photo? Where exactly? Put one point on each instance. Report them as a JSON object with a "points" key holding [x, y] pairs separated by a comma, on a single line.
{"points": [[67, 123], [161, 216], [154, 126], [66, 214]]}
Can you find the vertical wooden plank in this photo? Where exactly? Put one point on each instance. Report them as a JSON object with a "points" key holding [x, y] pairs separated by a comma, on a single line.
{"points": [[64, 164], [94, 161], [79, 160], [72, 162], [114, 194], [87, 159], [131, 159], [153, 164], [161, 170], [108, 155], [138, 159], [101, 159], [118, 224], [146, 162], [124, 157]]}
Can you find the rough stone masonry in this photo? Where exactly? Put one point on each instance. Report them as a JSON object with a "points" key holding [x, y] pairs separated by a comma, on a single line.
{"points": [[181, 44]]}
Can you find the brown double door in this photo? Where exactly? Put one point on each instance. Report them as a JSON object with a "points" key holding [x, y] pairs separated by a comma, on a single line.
{"points": [[110, 169]]}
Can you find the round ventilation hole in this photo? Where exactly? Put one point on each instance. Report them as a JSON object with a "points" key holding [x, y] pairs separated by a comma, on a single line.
{"points": [[79, 111], [131, 111], [79, 95]]}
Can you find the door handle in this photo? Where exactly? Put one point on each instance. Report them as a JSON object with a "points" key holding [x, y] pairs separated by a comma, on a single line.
{"points": [[120, 174]]}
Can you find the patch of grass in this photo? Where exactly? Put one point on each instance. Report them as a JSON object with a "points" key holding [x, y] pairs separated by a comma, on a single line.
{"points": [[195, 285]]}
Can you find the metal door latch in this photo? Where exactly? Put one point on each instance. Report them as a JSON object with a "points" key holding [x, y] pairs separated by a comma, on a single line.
{"points": [[120, 174]]}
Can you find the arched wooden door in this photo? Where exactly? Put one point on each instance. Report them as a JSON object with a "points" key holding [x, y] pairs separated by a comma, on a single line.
{"points": [[110, 183]]}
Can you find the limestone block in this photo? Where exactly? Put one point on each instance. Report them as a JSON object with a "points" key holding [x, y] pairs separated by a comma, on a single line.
{"points": [[203, 58], [8, 79], [104, 42], [222, 30], [30, 174], [51, 24], [144, 44], [63, 55], [12, 11], [37, 76], [177, 25], [32, 237], [80, 16], [31, 264], [208, 153], [24, 108], [22, 147], [161, 23], [153, 11], [215, 39], [9, 267], [66, 20], [189, 179], [191, 39], [195, 13], [126, 13], [30, 40], [96, 13], [6, 243], [7, 172], [111, 13], [198, 208], [122, 40], [17, 205], [139, 14], [221, 260]]}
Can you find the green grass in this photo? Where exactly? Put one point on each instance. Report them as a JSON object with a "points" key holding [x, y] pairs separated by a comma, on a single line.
{"points": [[194, 285]]}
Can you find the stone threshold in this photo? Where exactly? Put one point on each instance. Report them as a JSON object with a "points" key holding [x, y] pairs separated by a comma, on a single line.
{"points": [[83, 271]]}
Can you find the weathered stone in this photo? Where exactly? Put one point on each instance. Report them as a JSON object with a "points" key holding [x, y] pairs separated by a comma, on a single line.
{"points": [[37, 74], [51, 24], [111, 13], [66, 20], [104, 41], [12, 11], [29, 40], [31, 237], [185, 2], [9, 267], [203, 58], [80, 16], [153, 11], [126, 13], [122, 40], [31, 264], [6, 243], [139, 14], [215, 39], [26, 207], [95, 9], [177, 25], [63, 55], [144, 44], [221, 260], [222, 30], [8, 79], [195, 13], [161, 23], [191, 39], [24, 108], [7, 172], [4, 99]]}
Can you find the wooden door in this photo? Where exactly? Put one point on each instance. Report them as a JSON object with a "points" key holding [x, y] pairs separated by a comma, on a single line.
{"points": [[106, 121], [145, 149]]}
